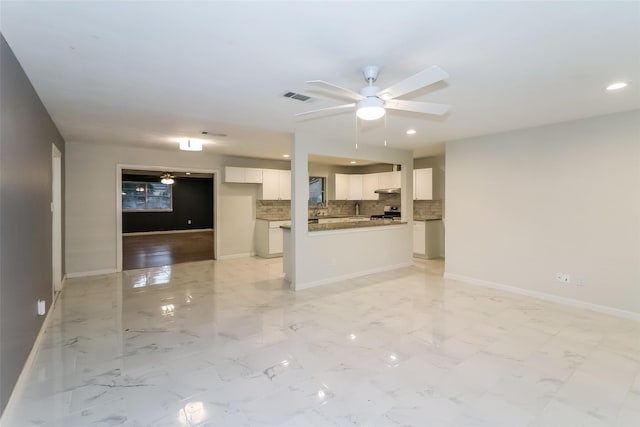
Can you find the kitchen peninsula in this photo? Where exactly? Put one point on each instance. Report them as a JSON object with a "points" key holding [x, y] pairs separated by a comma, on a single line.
{"points": [[314, 258]]}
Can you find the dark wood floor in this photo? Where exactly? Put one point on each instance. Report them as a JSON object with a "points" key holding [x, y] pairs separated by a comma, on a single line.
{"points": [[165, 249]]}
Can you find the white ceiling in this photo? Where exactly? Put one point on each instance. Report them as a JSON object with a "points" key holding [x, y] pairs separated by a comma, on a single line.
{"points": [[149, 73]]}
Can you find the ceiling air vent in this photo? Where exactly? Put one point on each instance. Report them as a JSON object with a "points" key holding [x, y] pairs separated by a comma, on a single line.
{"points": [[297, 96]]}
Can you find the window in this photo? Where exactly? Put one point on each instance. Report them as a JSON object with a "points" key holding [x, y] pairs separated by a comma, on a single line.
{"points": [[316, 190], [146, 197]]}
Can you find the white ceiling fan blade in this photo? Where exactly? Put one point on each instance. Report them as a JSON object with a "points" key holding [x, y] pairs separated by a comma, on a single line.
{"points": [[336, 90], [418, 107], [337, 107], [424, 78]]}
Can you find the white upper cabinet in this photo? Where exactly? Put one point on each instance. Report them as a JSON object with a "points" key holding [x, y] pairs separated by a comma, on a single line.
{"points": [[242, 175], [343, 185], [355, 187], [285, 185], [370, 183], [276, 184], [348, 187], [390, 179], [423, 184], [253, 175]]}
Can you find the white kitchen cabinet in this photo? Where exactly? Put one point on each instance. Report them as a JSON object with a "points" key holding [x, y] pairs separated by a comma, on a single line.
{"points": [[370, 183], [355, 187], [269, 238], [348, 187], [276, 184], [343, 185], [390, 179], [419, 247], [285, 185], [423, 184], [428, 239], [242, 175]]}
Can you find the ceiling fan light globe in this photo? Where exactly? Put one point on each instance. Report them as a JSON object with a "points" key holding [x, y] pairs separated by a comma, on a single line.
{"points": [[370, 109], [370, 113]]}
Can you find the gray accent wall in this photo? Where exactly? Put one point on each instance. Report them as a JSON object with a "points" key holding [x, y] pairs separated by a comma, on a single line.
{"points": [[26, 135]]}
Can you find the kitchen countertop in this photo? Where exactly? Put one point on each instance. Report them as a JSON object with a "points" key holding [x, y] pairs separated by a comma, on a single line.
{"points": [[418, 218], [346, 225], [337, 216], [273, 218]]}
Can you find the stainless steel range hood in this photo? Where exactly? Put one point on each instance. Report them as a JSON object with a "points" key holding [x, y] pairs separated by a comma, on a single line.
{"points": [[387, 191]]}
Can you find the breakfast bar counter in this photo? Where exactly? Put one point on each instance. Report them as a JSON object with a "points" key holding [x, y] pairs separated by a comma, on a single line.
{"points": [[348, 224]]}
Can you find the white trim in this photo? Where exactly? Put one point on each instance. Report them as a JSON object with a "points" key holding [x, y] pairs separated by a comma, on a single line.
{"points": [[56, 219], [545, 296], [234, 256], [151, 233], [217, 176], [300, 286], [28, 364], [91, 273]]}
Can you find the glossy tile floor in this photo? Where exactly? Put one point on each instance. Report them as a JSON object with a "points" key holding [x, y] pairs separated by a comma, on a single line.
{"points": [[225, 343]]}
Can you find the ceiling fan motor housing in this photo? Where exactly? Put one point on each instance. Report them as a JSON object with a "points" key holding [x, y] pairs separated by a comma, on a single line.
{"points": [[369, 91]]}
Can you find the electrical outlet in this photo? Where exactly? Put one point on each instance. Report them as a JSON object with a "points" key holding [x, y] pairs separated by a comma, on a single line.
{"points": [[42, 307]]}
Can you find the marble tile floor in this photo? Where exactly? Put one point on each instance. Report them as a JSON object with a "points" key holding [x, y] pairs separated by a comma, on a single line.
{"points": [[226, 343]]}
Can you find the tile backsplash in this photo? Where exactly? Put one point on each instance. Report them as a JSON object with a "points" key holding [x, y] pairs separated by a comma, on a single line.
{"points": [[281, 209], [273, 209], [427, 209]]}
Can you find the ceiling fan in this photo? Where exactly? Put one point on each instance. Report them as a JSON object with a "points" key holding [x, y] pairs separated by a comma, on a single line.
{"points": [[371, 102]]}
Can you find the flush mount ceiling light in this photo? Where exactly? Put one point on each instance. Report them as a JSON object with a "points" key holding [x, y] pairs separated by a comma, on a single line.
{"points": [[411, 132], [167, 178], [190, 145], [617, 85]]}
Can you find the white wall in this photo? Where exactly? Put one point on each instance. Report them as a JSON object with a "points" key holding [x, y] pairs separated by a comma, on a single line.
{"points": [[524, 205], [91, 201], [323, 257]]}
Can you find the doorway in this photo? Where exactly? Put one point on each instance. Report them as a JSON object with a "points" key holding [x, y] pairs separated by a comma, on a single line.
{"points": [[168, 243]]}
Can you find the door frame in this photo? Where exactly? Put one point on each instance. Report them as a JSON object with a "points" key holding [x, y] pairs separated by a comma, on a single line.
{"points": [[216, 184], [56, 219]]}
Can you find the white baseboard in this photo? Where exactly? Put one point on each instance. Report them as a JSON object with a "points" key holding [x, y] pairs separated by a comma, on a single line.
{"points": [[90, 273], [150, 233], [20, 383], [545, 296], [234, 256], [307, 285]]}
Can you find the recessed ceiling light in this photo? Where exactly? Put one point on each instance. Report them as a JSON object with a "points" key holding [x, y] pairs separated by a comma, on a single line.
{"points": [[353, 162], [187, 173], [411, 132], [617, 85], [285, 155]]}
